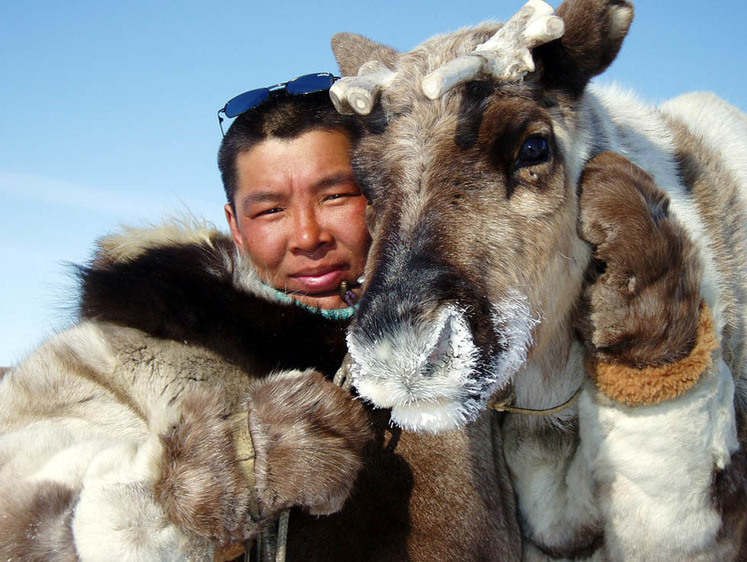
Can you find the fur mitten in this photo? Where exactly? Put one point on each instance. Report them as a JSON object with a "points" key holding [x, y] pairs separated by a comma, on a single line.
{"points": [[648, 335], [202, 486], [308, 436], [642, 300]]}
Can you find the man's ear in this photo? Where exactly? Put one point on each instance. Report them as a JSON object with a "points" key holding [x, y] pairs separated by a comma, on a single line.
{"points": [[352, 51], [233, 224]]}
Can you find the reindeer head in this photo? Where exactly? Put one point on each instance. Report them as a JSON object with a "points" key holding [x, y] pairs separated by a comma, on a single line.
{"points": [[470, 165]]}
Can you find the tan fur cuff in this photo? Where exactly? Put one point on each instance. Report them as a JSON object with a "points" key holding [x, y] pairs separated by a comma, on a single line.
{"points": [[245, 454], [651, 385]]}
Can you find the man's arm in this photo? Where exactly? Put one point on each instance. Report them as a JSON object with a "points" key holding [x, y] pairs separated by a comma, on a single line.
{"points": [[101, 462]]}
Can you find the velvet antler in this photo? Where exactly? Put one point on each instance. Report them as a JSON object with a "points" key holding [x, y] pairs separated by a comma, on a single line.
{"points": [[359, 93], [506, 56]]}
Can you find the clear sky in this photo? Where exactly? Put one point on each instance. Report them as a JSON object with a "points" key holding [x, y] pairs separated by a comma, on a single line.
{"points": [[108, 109]]}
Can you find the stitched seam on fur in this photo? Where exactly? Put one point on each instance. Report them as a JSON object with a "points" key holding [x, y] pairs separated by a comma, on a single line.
{"points": [[245, 456], [652, 385]]}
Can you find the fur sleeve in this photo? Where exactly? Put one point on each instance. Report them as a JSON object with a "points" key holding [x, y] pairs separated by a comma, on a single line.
{"points": [[667, 503], [80, 459], [136, 456]]}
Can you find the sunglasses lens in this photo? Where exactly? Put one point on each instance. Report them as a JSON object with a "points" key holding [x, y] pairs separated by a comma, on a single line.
{"points": [[310, 83], [246, 101], [307, 84]]}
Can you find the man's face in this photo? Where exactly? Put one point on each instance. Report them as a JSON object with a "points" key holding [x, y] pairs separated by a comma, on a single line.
{"points": [[300, 215]]}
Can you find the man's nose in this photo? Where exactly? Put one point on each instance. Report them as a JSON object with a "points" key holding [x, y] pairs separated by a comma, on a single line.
{"points": [[309, 232]]}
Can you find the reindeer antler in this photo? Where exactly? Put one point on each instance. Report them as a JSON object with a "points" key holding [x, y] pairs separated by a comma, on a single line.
{"points": [[359, 93], [506, 55]]}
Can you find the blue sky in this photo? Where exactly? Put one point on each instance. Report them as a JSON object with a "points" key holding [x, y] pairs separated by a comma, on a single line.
{"points": [[108, 108]]}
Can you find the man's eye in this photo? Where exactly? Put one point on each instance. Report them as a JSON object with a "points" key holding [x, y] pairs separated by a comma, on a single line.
{"points": [[336, 196], [266, 212]]}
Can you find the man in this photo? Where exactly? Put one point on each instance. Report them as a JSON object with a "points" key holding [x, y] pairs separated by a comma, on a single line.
{"points": [[117, 436]]}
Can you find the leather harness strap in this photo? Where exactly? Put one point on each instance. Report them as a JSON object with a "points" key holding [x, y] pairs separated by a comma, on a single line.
{"points": [[505, 406]]}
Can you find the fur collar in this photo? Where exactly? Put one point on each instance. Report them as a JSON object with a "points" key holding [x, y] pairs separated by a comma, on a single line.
{"points": [[185, 281]]}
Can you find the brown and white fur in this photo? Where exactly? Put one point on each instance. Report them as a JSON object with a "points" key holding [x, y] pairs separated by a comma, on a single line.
{"points": [[484, 278], [118, 437]]}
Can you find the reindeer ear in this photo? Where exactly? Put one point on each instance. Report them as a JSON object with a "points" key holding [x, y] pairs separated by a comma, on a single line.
{"points": [[352, 51], [594, 33]]}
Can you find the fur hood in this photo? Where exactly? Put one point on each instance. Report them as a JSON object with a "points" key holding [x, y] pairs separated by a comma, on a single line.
{"points": [[185, 281]]}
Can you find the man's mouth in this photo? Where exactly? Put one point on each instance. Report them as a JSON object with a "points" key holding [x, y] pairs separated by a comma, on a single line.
{"points": [[320, 280]]}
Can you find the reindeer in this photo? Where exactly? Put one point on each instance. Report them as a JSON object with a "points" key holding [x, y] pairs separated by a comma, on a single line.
{"points": [[500, 276]]}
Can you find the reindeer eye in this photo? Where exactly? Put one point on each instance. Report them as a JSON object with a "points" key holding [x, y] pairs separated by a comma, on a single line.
{"points": [[535, 150]]}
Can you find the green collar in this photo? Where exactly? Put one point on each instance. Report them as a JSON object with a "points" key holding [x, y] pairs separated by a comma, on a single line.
{"points": [[331, 313]]}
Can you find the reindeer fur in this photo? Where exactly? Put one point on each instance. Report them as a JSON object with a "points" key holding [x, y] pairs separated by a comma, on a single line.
{"points": [[484, 277]]}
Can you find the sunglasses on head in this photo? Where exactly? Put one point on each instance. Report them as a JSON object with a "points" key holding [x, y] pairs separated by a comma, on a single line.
{"points": [[306, 84]]}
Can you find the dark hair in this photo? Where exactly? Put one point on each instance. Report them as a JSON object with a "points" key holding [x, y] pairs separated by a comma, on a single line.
{"points": [[285, 116]]}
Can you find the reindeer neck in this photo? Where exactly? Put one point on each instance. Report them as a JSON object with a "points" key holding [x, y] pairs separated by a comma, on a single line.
{"points": [[553, 373]]}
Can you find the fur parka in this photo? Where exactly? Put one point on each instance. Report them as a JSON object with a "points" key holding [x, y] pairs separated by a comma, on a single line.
{"points": [[120, 437]]}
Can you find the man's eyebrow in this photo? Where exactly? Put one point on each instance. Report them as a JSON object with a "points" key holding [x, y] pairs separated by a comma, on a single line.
{"points": [[334, 179], [260, 197]]}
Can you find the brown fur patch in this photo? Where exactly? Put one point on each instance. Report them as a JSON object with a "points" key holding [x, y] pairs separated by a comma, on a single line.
{"points": [[419, 497], [652, 385], [202, 487], [35, 523], [309, 437], [642, 308], [480, 523]]}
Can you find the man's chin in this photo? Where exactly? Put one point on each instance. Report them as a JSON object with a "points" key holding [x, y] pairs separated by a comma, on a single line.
{"points": [[328, 301]]}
